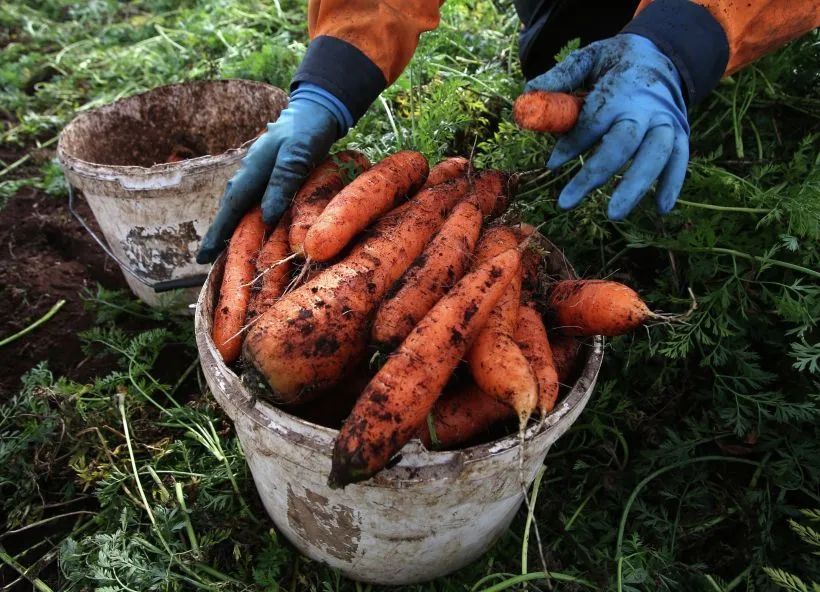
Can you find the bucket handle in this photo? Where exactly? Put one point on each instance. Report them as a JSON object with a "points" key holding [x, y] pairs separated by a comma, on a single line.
{"points": [[192, 281]]}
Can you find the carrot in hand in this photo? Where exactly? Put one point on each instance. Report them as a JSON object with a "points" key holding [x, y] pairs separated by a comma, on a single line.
{"points": [[443, 262], [312, 337], [274, 264], [461, 416], [449, 168], [547, 112], [531, 336], [396, 402], [496, 362], [370, 195], [596, 307], [318, 189], [235, 291]]}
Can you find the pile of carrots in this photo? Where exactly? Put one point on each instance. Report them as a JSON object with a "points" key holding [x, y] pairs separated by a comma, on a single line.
{"points": [[412, 262]]}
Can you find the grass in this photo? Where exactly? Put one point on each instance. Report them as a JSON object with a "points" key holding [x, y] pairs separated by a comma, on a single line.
{"points": [[687, 471]]}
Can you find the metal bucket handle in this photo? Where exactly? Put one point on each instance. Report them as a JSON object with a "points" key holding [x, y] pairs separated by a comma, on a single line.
{"points": [[192, 281]]}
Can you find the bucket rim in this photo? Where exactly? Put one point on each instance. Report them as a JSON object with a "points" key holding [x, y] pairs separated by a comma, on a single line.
{"points": [[268, 417], [85, 167]]}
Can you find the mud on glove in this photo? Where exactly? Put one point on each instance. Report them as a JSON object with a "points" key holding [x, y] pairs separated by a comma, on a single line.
{"points": [[278, 162], [635, 109]]}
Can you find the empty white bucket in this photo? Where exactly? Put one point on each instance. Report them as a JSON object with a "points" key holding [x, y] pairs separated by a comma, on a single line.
{"points": [[153, 214]]}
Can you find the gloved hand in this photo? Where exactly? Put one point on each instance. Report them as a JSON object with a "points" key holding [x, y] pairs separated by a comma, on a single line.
{"points": [[277, 163], [636, 110]]}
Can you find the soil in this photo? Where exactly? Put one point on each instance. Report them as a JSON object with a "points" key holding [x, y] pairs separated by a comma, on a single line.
{"points": [[45, 256]]}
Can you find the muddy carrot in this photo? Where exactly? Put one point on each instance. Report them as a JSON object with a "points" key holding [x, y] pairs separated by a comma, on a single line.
{"points": [[443, 262], [371, 194], [396, 402], [491, 191], [318, 189], [596, 307], [235, 291], [449, 168], [274, 266], [547, 112], [531, 336], [496, 362], [310, 339], [566, 355], [461, 416]]}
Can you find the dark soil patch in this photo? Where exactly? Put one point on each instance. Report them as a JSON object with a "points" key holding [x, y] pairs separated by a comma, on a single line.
{"points": [[46, 256]]}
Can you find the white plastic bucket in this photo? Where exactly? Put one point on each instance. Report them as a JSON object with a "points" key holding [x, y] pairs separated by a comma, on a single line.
{"points": [[427, 516], [152, 214]]}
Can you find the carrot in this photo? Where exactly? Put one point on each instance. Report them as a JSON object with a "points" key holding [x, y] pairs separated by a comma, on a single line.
{"points": [[396, 402], [523, 230], [235, 291], [461, 416], [318, 189], [565, 356], [531, 337], [491, 191], [547, 112], [449, 168], [272, 261], [530, 261], [496, 362], [596, 307], [309, 339], [443, 262], [370, 195]]}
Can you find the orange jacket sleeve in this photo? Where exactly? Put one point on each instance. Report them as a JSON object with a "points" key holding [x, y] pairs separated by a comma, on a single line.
{"points": [[755, 28], [359, 47], [710, 39], [387, 32]]}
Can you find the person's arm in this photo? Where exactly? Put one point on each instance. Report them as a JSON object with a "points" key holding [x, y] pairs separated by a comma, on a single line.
{"points": [[360, 47], [669, 57], [357, 49], [709, 39]]}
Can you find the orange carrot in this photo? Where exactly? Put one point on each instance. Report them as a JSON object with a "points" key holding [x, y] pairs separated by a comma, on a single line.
{"points": [[531, 260], [443, 262], [496, 362], [449, 168], [235, 291], [531, 337], [396, 402], [491, 191], [310, 339], [547, 112], [318, 189], [272, 261], [596, 307], [370, 195], [461, 416], [565, 355]]}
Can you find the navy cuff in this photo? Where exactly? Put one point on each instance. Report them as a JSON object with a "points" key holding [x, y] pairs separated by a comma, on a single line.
{"points": [[318, 95], [344, 71], [691, 37]]}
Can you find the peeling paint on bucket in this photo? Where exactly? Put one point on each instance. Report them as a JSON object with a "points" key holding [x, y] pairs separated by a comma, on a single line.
{"points": [[427, 516], [153, 214]]}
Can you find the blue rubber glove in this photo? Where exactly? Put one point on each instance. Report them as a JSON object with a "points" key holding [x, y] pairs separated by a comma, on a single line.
{"points": [[635, 109], [278, 162]]}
